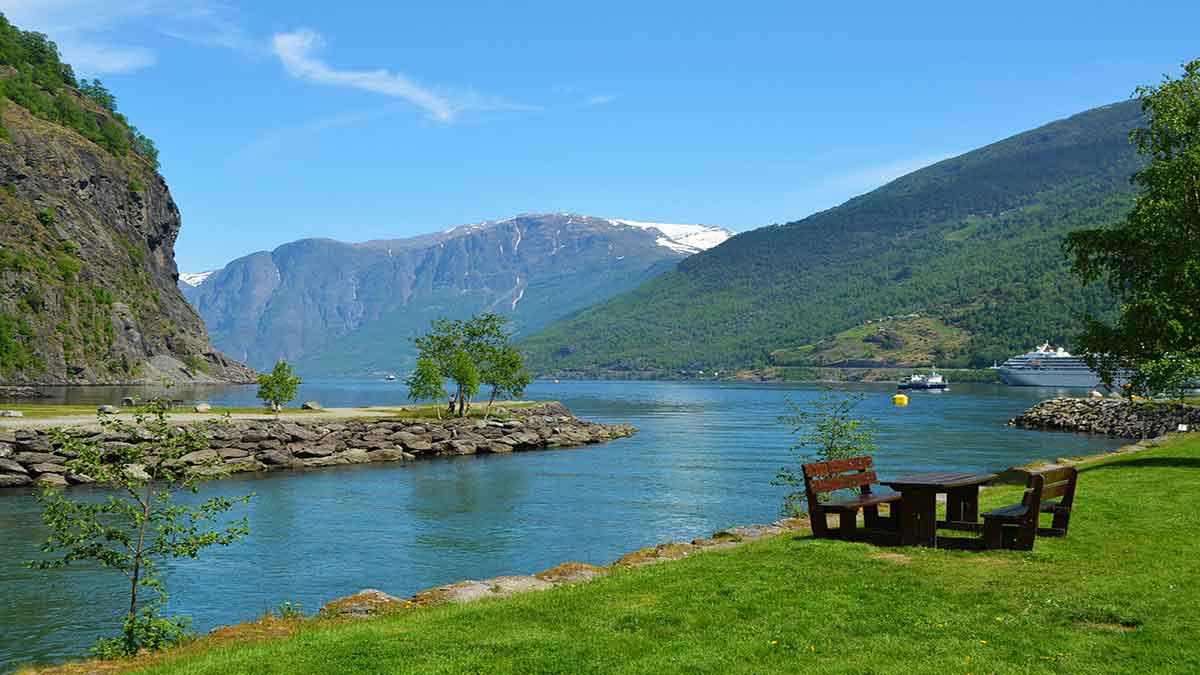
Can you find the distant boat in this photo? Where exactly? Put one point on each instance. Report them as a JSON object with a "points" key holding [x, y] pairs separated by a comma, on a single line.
{"points": [[389, 378], [932, 381]]}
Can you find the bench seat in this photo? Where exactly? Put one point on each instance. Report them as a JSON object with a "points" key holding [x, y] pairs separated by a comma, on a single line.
{"points": [[861, 501], [1013, 513]]}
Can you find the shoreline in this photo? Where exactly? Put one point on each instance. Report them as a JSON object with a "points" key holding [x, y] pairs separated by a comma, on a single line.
{"points": [[262, 443], [371, 603]]}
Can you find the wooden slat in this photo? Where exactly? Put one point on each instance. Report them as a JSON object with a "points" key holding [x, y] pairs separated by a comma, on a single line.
{"points": [[842, 482], [1055, 491], [1065, 473], [836, 466]]}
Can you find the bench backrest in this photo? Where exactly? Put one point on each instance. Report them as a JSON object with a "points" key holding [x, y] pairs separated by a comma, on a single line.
{"points": [[838, 474], [1032, 499], [1059, 484]]}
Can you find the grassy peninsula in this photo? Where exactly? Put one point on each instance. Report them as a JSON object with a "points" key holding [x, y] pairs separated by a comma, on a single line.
{"points": [[1115, 596]]}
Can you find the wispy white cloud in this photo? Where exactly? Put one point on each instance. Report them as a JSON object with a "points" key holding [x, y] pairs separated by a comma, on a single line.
{"points": [[297, 49], [872, 177], [599, 100], [85, 30]]}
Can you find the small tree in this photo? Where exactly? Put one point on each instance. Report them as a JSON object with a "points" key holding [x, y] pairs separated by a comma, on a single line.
{"points": [[826, 429], [279, 387], [427, 382], [139, 525], [1151, 261], [506, 375]]}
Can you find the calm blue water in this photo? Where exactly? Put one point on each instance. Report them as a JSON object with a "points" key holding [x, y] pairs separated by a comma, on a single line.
{"points": [[703, 460]]}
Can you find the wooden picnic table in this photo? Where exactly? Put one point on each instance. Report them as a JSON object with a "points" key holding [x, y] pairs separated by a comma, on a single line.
{"points": [[918, 503]]}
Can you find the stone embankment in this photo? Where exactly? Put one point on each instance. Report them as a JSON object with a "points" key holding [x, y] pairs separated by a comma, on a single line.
{"points": [[371, 602], [29, 456], [1109, 416]]}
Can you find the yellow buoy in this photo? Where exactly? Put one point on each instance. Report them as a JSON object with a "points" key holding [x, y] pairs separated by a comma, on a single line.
{"points": [[899, 399]]}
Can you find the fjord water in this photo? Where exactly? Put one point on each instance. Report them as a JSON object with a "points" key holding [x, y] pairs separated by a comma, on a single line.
{"points": [[703, 460]]}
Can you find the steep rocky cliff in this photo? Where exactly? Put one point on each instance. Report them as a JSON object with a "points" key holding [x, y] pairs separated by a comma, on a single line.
{"points": [[87, 272]]}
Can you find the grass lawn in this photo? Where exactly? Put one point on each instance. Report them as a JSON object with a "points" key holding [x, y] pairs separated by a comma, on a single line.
{"points": [[1118, 595]]}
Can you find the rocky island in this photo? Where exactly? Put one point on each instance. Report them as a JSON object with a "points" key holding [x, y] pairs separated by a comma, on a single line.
{"points": [[29, 455], [1109, 416]]}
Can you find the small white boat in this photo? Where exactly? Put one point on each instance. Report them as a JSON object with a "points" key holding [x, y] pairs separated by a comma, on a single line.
{"points": [[389, 378], [933, 381]]}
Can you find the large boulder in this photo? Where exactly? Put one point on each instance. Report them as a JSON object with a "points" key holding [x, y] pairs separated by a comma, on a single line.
{"points": [[365, 603]]}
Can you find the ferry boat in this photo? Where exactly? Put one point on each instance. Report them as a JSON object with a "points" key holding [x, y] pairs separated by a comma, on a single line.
{"points": [[1048, 366], [932, 381]]}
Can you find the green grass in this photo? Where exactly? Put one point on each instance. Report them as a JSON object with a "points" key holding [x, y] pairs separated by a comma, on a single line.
{"points": [[912, 342], [1118, 595]]}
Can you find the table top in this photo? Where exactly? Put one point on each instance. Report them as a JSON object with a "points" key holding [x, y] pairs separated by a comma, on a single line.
{"points": [[938, 480]]}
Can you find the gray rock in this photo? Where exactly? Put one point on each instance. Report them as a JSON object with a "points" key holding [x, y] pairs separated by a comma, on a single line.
{"points": [[298, 433], [46, 467], [136, 472], [6, 450], [108, 409], [311, 405], [356, 456], [34, 444], [51, 480], [200, 457], [11, 413], [387, 455], [79, 478], [307, 451], [232, 453], [36, 458], [14, 480], [202, 408], [11, 466], [274, 458]]}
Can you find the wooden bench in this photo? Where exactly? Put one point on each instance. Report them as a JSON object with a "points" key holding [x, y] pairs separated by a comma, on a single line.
{"points": [[1016, 526], [842, 474]]}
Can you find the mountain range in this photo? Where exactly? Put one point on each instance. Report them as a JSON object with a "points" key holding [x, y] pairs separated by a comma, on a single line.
{"points": [[971, 245], [337, 308]]}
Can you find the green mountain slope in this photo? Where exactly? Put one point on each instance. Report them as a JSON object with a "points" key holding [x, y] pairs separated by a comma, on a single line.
{"points": [[972, 241]]}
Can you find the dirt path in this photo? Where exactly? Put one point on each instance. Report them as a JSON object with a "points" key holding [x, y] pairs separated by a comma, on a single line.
{"points": [[89, 420]]}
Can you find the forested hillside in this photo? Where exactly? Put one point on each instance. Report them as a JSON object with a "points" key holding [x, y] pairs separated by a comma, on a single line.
{"points": [[973, 241]]}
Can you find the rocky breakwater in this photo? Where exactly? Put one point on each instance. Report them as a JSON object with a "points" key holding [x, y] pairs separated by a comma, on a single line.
{"points": [[1109, 416], [29, 456]]}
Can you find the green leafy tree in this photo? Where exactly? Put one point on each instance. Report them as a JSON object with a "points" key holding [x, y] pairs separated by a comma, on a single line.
{"points": [[279, 387], [427, 382], [464, 351], [826, 429], [98, 94], [505, 373], [139, 525], [465, 373], [1151, 261]]}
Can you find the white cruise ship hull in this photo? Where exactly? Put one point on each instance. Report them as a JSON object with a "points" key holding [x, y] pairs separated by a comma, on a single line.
{"points": [[1031, 377]]}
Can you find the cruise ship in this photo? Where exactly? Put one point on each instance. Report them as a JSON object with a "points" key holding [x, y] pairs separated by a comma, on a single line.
{"points": [[1048, 366]]}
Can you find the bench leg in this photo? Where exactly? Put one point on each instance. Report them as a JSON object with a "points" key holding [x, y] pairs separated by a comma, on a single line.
{"points": [[1062, 518], [847, 524], [993, 534], [871, 517], [820, 526]]}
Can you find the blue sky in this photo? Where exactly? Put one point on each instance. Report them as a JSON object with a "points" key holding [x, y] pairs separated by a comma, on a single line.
{"points": [[281, 120]]}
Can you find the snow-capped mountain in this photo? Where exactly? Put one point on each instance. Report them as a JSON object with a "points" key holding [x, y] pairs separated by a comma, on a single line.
{"points": [[341, 308]]}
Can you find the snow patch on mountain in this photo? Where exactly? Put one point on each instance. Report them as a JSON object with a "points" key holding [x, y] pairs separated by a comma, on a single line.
{"points": [[679, 237], [194, 279]]}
